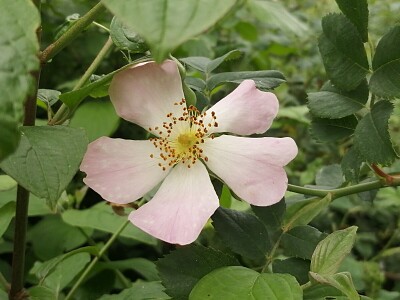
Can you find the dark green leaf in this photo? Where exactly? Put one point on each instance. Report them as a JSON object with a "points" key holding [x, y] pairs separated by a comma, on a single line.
{"points": [[246, 284], [341, 281], [263, 79], [215, 63], [385, 80], [357, 12], [301, 213], [325, 292], [98, 118], [342, 52], [165, 24], [301, 241], [331, 251], [58, 235], [371, 137], [49, 97], [182, 269], [46, 159], [329, 176], [196, 62], [195, 83], [351, 164], [18, 61], [42, 293], [144, 267], [110, 222], [329, 130], [333, 104], [242, 232], [294, 266], [140, 290], [125, 38], [271, 216]]}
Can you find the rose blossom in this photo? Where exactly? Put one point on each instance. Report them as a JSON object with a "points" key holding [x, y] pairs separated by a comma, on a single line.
{"points": [[186, 142]]}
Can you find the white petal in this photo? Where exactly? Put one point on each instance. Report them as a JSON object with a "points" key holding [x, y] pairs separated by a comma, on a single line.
{"points": [[146, 93], [251, 167], [245, 111], [180, 208], [122, 171]]}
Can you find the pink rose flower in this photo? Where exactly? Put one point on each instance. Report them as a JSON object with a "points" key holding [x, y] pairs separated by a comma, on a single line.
{"points": [[186, 143]]}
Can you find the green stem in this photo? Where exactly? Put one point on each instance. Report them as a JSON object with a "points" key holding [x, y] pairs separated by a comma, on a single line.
{"points": [[95, 260], [272, 253], [344, 191], [63, 112], [71, 33]]}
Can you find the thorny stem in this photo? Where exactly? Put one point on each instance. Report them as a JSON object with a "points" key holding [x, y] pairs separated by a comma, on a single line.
{"points": [[71, 33], [63, 112], [95, 260], [22, 200]]}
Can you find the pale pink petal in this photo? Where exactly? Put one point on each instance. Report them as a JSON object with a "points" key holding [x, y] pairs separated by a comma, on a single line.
{"points": [[245, 111], [146, 93], [122, 171], [180, 208], [251, 167]]}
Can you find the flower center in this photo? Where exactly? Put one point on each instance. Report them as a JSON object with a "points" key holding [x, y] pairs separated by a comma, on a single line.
{"points": [[181, 137]]}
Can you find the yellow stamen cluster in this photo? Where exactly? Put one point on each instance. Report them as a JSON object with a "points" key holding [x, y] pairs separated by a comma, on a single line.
{"points": [[180, 137]]}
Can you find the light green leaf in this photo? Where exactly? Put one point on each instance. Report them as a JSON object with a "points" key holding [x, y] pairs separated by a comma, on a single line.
{"points": [[46, 159], [7, 212], [274, 13], [342, 52], [6, 183], [49, 97], [165, 24], [98, 118], [246, 284], [331, 251], [102, 217], [341, 281], [18, 61], [140, 290], [263, 79], [301, 213], [371, 137], [357, 12], [329, 130], [385, 80], [332, 103], [125, 38]]}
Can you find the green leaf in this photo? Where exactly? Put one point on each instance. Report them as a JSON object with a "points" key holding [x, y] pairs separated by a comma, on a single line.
{"points": [[125, 38], [182, 269], [110, 222], [165, 24], [42, 293], [274, 13], [46, 160], [215, 63], [50, 97], [371, 137], [58, 235], [301, 241], [271, 216], [329, 176], [294, 266], [357, 12], [66, 271], [263, 79], [341, 281], [329, 130], [332, 103], [331, 251], [140, 290], [342, 52], [246, 284], [301, 213], [385, 80], [18, 61], [242, 232], [351, 164], [98, 118], [7, 212], [196, 62], [144, 267], [6, 183], [42, 270]]}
